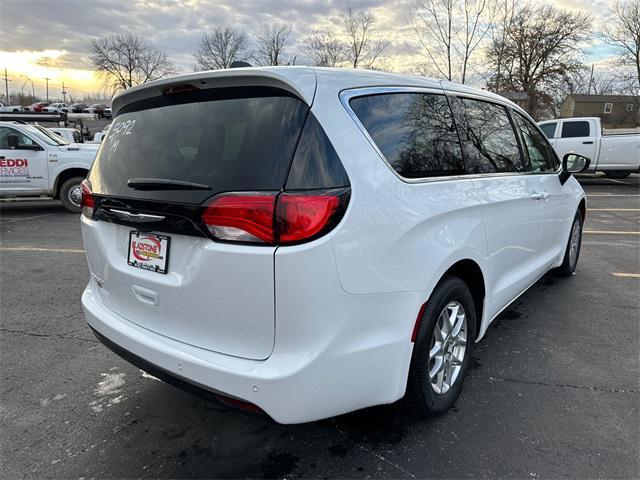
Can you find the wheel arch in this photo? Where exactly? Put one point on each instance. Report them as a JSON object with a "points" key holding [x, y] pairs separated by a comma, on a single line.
{"points": [[469, 272], [582, 208], [66, 175]]}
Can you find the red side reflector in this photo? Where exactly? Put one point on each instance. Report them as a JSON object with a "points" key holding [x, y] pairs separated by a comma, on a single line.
{"points": [[242, 218], [241, 404], [88, 202], [416, 326], [301, 217]]}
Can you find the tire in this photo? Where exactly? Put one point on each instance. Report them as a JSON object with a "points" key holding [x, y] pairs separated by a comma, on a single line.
{"points": [[570, 260], [617, 174], [68, 194], [424, 398]]}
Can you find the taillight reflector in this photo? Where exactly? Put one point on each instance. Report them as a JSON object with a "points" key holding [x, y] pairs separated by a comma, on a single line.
{"points": [[88, 201], [242, 218]]}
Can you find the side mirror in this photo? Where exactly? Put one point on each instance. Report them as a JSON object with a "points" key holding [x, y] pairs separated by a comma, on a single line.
{"points": [[573, 163]]}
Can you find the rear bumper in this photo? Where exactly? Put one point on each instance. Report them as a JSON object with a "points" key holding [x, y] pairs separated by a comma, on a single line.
{"points": [[290, 386]]}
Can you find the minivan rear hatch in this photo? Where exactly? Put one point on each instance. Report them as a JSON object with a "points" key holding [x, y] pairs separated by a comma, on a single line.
{"points": [[164, 158]]}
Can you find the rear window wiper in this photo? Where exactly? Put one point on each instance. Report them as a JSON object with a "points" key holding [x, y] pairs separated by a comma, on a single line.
{"points": [[164, 184]]}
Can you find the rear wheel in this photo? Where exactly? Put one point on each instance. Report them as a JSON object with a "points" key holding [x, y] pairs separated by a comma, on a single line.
{"points": [[617, 173], [443, 348], [572, 252], [71, 194]]}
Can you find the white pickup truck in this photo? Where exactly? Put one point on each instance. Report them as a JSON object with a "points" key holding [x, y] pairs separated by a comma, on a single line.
{"points": [[35, 162], [617, 155], [10, 108]]}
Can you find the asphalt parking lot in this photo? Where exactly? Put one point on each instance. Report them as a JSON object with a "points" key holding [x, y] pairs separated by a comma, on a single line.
{"points": [[554, 390]]}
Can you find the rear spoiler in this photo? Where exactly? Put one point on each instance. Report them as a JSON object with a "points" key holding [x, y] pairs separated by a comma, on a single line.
{"points": [[299, 81]]}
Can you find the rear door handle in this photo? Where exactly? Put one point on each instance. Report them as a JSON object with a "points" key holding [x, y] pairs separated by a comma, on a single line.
{"points": [[590, 142]]}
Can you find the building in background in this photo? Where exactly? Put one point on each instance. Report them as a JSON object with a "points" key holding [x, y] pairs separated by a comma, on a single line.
{"points": [[615, 111]]}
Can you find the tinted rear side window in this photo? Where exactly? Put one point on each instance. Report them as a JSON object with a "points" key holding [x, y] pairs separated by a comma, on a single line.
{"points": [[415, 132], [489, 142], [234, 139], [575, 129], [549, 129], [316, 164]]}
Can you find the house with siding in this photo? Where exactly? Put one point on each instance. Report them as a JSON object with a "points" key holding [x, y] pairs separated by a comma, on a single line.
{"points": [[615, 111]]}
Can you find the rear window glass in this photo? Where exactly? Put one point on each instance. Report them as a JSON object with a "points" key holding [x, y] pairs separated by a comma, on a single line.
{"points": [[228, 139], [415, 132], [575, 129], [549, 129]]}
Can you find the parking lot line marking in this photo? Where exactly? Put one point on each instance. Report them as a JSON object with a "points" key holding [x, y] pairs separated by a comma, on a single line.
{"points": [[627, 275], [610, 232], [613, 195], [40, 249], [613, 209]]}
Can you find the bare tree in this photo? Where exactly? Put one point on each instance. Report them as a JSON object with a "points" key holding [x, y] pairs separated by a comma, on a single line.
{"points": [[540, 48], [504, 12], [450, 33], [271, 41], [623, 32], [324, 49], [362, 48], [125, 60], [220, 47]]}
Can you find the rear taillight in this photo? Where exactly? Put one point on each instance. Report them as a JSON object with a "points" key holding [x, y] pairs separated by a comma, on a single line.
{"points": [[88, 200], [272, 218], [241, 217]]}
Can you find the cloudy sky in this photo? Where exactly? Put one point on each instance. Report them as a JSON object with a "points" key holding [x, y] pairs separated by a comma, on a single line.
{"points": [[49, 38]]}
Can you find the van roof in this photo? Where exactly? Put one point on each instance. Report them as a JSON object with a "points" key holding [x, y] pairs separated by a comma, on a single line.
{"points": [[299, 80]]}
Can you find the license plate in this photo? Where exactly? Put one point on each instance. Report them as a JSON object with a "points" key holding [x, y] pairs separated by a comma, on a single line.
{"points": [[148, 251]]}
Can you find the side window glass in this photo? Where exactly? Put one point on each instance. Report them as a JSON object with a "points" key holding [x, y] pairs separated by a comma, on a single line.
{"points": [[549, 129], [414, 131], [541, 157], [575, 129], [489, 143], [6, 142]]}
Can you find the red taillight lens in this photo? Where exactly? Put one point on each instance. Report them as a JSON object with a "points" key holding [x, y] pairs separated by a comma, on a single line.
{"points": [[242, 218], [88, 201], [272, 218], [301, 217]]}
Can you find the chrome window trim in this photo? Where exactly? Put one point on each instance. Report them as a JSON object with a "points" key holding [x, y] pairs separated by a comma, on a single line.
{"points": [[345, 97]]}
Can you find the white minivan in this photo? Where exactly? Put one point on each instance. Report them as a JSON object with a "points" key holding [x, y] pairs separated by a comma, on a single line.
{"points": [[307, 242]]}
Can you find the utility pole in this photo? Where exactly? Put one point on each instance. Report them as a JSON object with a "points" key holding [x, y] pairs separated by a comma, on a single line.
{"points": [[6, 85], [47, 80], [591, 79], [64, 93]]}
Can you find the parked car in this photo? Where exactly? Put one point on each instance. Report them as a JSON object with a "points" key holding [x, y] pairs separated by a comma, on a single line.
{"points": [[107, 112], [36, 162], [316, 241], [617, 155], [57, 107], [98, 108], [77, 107], [10, 108], [71, 135], [37, 107]]}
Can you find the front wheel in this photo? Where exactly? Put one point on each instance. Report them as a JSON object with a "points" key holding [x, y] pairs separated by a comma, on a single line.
{"points": [[71, 194], [572, 252], [443, 348]]}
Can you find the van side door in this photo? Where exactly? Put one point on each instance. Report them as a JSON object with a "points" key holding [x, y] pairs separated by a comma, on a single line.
{"points": [[559, 206], [512, 211], [23, 163]]}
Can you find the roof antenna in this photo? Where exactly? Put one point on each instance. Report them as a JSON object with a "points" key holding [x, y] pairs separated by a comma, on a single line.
{"points": [[239, 64]]}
